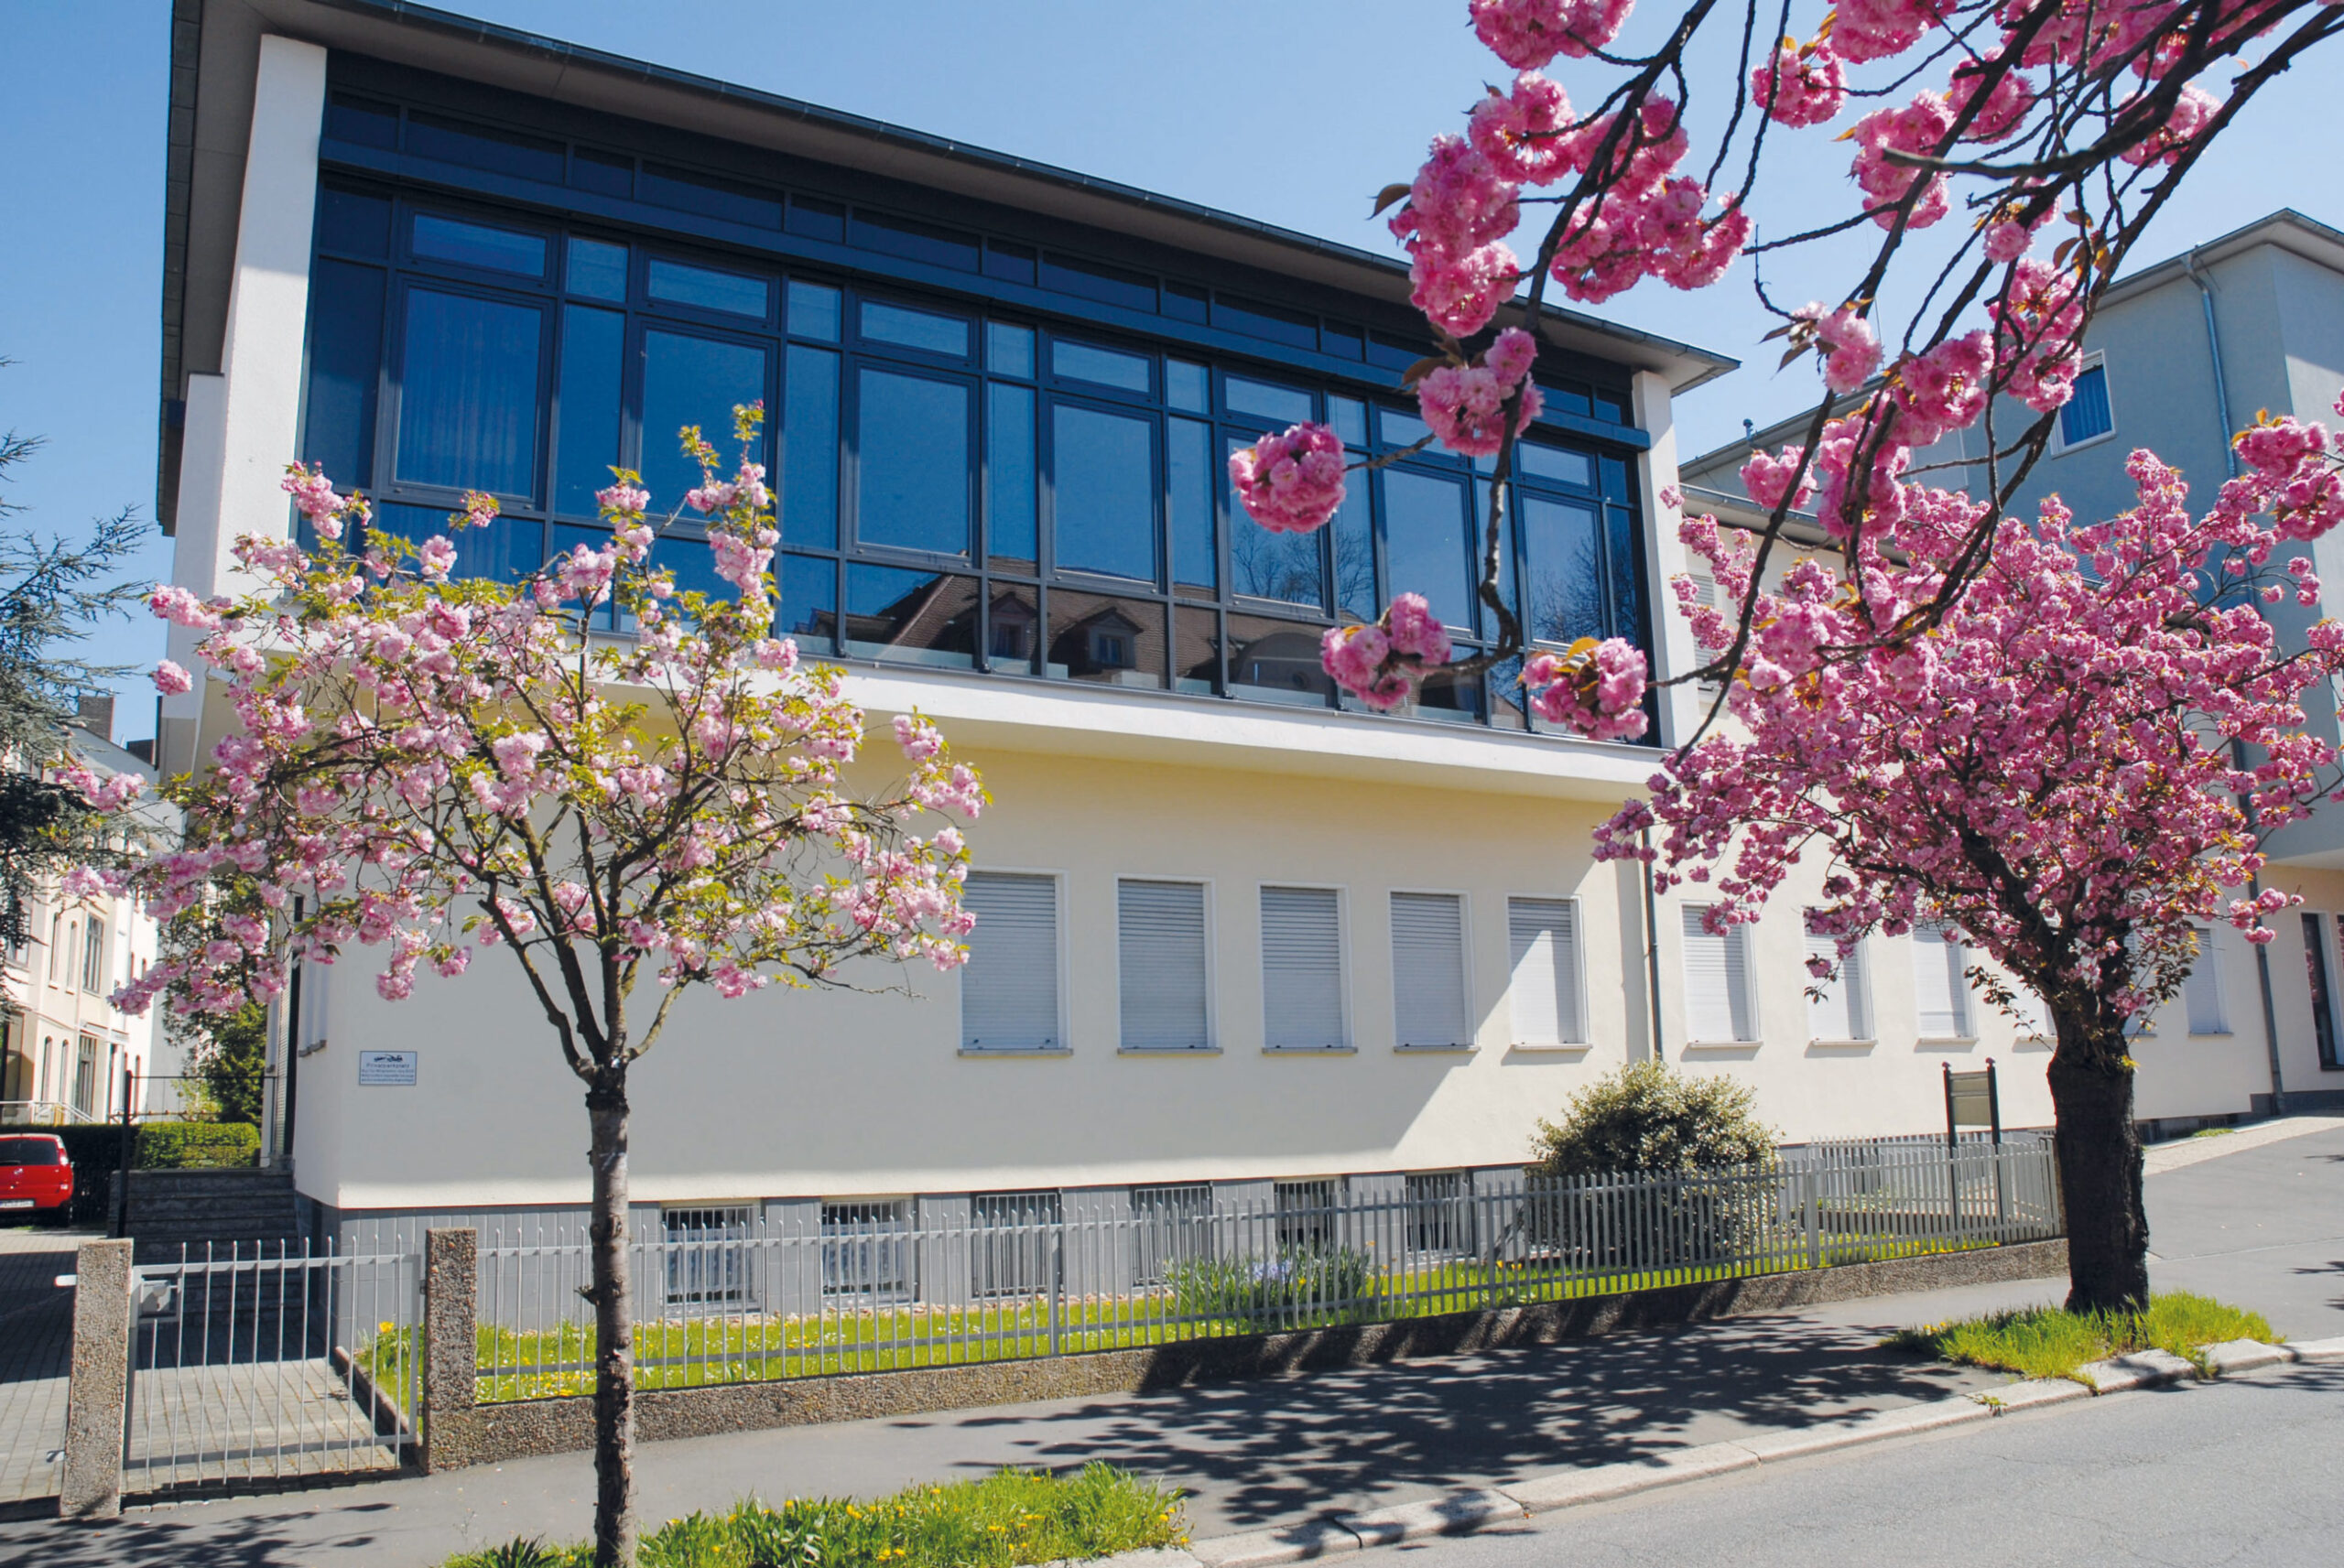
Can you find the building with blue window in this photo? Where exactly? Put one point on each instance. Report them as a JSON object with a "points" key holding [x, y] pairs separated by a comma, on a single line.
{"points": [[1234, 931]]}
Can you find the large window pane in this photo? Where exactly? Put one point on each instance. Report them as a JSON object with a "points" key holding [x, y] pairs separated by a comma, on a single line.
{"points": [[707, 288], [1287, 566], [1562, 572], [909, 329], [691, 381], [807, 610], [912, 616], [470, 393], [1424, 542], [1195, 650], [1277, 659], [1009, 351], [1012, 489], [1188, 462], [478, 245], [1627, 574], [1354, 529], [813, 311], [912, 456], [1558, 465], [507, 549], [1013, 628], [1109, 642], [1103, 491], [345, 366], [593, 350], [1105, 366], [809, 435], [597, 270], [349, 221], [1267, 400]]}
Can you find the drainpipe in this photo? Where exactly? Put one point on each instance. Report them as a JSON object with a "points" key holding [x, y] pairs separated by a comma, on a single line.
{"points": [[1652, 951], [2254, 883]]}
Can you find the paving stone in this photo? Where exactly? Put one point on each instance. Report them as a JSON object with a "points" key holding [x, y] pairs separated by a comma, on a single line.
{"points": [[1455, 1514], [2235, 1356], [1595, 1483], [2141, 1370], [2036, 1392], [1261, 1548], [36, 1351], [2318, 1350]]}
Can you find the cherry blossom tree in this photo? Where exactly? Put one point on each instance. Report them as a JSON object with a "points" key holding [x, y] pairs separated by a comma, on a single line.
{"points": [[431, 770], [2056, 129], [2079, 760]]}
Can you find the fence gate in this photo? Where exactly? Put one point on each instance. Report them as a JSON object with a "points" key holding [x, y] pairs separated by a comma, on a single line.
{"points": [[251, 1362]]}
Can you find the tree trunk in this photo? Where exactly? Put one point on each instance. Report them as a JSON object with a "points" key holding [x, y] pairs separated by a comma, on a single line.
{"points": [[2099, 1170], [614, 1524]]}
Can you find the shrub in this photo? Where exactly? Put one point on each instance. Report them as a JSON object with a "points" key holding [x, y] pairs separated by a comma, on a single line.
{"points": [[1289, 1282], [197, 1146], [1650, 1117], [1009, 1518]]}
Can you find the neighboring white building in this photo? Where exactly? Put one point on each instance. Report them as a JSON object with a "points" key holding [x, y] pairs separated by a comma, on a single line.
{"points": [[1232, 932], [64, 1048]]}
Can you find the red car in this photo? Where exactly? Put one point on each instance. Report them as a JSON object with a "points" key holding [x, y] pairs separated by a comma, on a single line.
{"points": [[34, 1172]]}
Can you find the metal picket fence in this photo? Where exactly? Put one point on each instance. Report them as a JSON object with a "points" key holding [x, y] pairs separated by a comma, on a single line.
{"points": [[734, 1298], [258, 1362]]}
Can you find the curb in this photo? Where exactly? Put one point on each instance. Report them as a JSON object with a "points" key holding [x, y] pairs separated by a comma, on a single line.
{"points": [[1464, 1512]]}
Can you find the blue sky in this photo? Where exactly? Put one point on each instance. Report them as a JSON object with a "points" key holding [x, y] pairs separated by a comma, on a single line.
{"points": [[1290, 111]]}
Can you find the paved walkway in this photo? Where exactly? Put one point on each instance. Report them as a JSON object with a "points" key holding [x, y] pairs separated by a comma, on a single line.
{"points": [[2259, 1229], [36, 1348]]}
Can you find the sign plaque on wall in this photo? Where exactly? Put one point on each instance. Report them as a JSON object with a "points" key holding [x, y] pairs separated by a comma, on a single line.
{"points": [[390, 1069]]}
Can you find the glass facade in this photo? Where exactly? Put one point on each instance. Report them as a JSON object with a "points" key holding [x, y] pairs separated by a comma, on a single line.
{"points": [[959, 484]]}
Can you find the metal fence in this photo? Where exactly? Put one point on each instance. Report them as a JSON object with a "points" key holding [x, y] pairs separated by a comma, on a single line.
{"points": [[253, 1363], [730, 1298]]}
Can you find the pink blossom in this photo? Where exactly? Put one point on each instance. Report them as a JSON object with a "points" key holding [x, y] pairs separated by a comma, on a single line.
{"points": [[1800, 87], [181, 608], [2192, 112], [1875, 30], [1291, 482], [1598, 690], [1767, 477], [437, 558], [1463, 404], [1527, 34], [1920, 127], [1520, 133], [172, 680], [1416, 631], [1850, 349]]}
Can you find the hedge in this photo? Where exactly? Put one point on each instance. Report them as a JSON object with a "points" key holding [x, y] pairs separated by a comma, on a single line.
{"points": [[95, 1151]]}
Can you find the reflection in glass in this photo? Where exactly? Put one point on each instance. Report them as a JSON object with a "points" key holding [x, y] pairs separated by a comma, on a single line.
{"points": [[1187, 388], [1455, 698], [593, 351], [1195, 650], [809, 440], [1009, 351], [349, 221], [1278, 660], [1107, 642], [505, 551], [691, 381], [1562, 571], [1509, 703], [706, 288], [1102, 493], [910, 617], [687, 559], [478, 245], [597, 270], [1400, 429], [808, 609], [912, 472], [813, 311], [1012, 486], [1354, 532], [1349, 417], [1286, 567], [345, 367], [922, 329], [1107, 367], [1284, 404], [1188, 464], [1559, 464], [1013, 628], [468, 408], [1424, 542], [1627, 577]]}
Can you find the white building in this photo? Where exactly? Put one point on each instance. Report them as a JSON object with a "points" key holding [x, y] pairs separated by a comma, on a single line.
{"points": [[1234, 932]]}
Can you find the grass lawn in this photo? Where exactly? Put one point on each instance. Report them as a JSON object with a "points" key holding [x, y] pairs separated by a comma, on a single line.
{"points": [[557, 1360], [2046, 1342], [1010, 1516]]}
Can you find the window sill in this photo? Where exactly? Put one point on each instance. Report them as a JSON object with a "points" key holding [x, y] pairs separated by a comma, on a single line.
{"points": [[1552, 1047], [1841, 1044], [1167, 1050], [1016, 1051], [2088, 441], [1309, 1050], [1927, 1040], [1434, 1050], [2213, 1034], [1720, 1045]]}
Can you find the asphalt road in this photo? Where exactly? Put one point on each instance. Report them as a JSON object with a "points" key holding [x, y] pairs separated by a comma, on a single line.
{"points": [[2241, 1472]]}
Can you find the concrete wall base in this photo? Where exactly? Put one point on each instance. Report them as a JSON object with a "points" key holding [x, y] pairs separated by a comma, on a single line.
{"points": [[486, 1435]]}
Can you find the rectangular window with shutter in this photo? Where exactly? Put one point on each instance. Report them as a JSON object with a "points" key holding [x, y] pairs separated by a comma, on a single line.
{"points": [[1717, 982], [2202, 990], [1543, 993], [1009, 988], [1940, 986], [1838, 1007], [1161, 948], [1429, 1009], [1302, 970]]}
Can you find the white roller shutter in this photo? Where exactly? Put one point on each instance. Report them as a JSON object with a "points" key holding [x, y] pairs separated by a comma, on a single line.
{"points": [[1160, 935], [1717, 982], [2202, 990], [1940, 989], [1009, 988], [1428, 969], [1542, 995], [1302, 968], [1842, 1011]]}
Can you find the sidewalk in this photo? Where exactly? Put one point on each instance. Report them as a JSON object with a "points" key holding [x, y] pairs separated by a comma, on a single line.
{"points": [[2250, 1228], [35, 1347]]}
